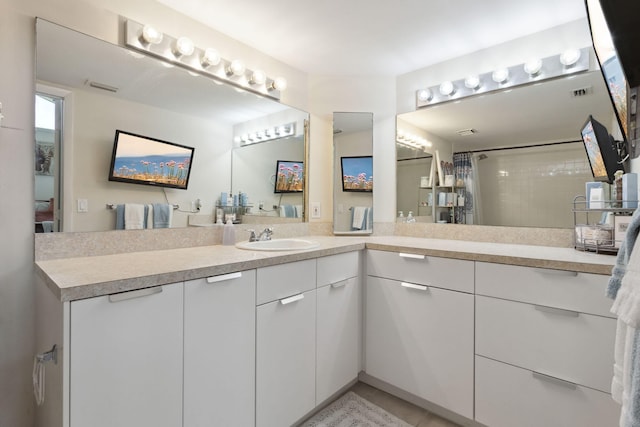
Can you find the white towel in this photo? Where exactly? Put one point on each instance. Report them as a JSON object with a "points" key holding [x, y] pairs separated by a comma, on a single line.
{"points": [[627, 303], [133, 216], [149, 219], [359, 213], [298, 209]]}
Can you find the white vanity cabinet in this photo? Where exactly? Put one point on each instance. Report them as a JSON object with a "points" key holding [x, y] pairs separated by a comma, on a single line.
{"points": [[285, 343], [126, 359], [219, 350], [338, 323], [544, 348], [419, 332]]}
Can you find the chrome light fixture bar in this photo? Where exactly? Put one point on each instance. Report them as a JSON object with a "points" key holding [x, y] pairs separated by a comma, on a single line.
{"points": [[533, 71], [268, 134], [182, 52]]}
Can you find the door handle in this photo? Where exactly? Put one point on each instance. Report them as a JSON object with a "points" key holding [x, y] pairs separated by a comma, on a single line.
{"points": [[134, 294], [411, 256], [223, 277], [414, 286], [291, 299], [554, 380]]}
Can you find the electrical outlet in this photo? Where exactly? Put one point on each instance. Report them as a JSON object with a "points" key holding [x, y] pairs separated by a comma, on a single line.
{"points": [[315, 210]]}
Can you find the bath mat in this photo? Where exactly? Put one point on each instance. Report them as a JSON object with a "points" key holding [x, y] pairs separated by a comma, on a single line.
{"points": [[351, 410]]}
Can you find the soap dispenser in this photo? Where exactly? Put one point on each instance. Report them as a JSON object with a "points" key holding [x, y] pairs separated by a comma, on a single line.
{"points": [[410, 217], [229, 233]]}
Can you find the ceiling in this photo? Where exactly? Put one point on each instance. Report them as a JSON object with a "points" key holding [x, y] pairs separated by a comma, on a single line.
{"points": [[361, 37]]}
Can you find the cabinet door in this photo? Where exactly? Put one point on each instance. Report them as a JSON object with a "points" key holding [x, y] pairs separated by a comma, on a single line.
{"points": [[338, 358], [285, 360], [126, 359], [219, 350], [420, 340]]}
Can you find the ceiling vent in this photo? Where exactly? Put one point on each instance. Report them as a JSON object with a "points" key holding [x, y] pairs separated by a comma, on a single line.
{"points": [[466, 132], [102, 86], [583, 91]]}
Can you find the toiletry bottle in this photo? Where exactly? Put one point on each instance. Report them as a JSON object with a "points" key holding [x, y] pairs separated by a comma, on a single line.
{"points": [[410, 217], [617, 189], [229, 233], [401, 217]]}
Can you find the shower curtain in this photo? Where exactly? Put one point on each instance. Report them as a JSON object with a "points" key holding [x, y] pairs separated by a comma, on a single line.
{"points": [[464, 166]]}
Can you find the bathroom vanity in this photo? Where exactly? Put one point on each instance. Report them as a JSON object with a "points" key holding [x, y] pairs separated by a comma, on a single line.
{"points": [[482, 333]]}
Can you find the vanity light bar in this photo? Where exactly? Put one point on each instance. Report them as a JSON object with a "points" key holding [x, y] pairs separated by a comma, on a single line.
{"points": [[181, 51], [412, 141], [533, 71], [269, 134]]}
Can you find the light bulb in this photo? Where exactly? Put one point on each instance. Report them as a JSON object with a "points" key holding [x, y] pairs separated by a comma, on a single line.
{"points": [[447, 88], [183, 47], [500, 76], [569, 57], [150, 35], [210, 57], [236, 68], [425, 95], [533, 66], [279, 83], [258, 77], [472, 82]]}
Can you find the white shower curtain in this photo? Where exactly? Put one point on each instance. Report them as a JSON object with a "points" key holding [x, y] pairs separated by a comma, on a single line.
{"points": [[474, 184], [466, 166]]}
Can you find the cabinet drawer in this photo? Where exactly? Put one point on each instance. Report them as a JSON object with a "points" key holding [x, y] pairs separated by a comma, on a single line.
{"points": [[336, 268], [573, 346], [444, 273], [281, 281], [508, 396], [570, 290]]}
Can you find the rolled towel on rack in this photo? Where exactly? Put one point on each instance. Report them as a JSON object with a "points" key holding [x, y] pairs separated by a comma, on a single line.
{"points": [[119, 217], [134, 216]]}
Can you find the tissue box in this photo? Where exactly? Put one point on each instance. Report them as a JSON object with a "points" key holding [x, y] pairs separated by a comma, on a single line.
{"points": [[630, 190], [597, 193]]}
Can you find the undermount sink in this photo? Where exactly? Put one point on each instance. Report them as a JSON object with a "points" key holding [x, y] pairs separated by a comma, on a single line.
{"points": [[279, 245]]}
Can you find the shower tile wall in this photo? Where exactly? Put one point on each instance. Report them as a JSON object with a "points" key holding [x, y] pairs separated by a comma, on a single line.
{"points": [[533, 186]]}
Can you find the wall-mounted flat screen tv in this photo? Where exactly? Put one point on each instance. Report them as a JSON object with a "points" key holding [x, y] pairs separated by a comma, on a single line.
{"points": [[609, 62], [289, 176], [602, 154], [138, 159], [357, 173]]}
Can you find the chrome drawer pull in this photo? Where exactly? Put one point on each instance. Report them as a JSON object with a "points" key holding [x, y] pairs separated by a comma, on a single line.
{"points": [[554, 310], [134, 294], [412, 256], [339, 284], [224, 277], [552, 272], [554, 380], [291, 299], [414, 286]]}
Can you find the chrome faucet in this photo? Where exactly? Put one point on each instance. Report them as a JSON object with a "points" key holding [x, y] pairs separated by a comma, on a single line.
{"points": [[264, 235]]}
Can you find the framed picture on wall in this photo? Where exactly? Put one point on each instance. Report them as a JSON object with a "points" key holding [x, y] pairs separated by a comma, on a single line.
{"points": [[289, 176], [45, 155], [357, 173]]}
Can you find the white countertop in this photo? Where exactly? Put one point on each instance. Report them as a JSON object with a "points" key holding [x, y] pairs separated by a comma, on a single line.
{"points": [[84, 277]]}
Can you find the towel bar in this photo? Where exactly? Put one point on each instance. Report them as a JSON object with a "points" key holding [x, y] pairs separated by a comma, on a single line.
{"points": [[113, 206]]}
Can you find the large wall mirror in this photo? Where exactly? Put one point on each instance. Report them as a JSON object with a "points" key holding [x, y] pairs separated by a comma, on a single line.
{"points": [[525, 153], [352, 173], [101, 87]]}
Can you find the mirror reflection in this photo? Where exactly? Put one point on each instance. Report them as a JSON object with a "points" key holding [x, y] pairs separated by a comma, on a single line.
{"points": [[352, 173], [145, 96], [517, 155]]}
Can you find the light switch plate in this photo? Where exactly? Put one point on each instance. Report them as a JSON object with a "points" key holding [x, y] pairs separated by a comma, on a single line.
{"points": [[83, 205], [315, 210]]}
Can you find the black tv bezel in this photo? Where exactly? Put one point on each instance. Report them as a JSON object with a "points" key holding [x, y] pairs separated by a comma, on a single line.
{"points": [[621, 125], [354, 190], [116, 141], [607, 150], [275, 184]]}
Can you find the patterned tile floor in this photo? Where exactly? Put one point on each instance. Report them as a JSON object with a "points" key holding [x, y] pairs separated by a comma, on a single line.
{"points": [[404, 410]]}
